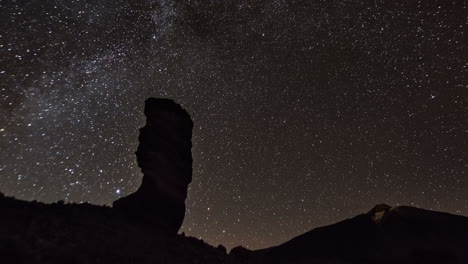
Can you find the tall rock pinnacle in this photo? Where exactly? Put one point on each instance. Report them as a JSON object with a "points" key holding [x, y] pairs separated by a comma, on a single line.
{"points": [[165, 158]]}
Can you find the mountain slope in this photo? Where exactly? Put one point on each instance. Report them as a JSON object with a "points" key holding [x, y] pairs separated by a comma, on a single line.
{"points": [[384, 235]]}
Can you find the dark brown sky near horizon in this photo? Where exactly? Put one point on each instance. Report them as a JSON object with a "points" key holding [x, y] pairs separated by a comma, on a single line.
{"points": [[305, 112]]}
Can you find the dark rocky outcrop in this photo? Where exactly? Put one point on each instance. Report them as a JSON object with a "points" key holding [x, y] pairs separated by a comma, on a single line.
{"points": [[165, 158], [140, 228]]}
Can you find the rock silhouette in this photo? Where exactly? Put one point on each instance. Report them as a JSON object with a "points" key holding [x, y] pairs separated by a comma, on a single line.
{"points": [[165, 158]]}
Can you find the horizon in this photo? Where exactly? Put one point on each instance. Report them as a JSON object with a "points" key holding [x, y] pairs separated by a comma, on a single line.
{"points": [[305, 114]]}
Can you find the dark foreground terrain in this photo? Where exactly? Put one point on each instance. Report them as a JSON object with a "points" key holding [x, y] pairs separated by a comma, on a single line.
{"points": [[142, 227], [33, 232]]}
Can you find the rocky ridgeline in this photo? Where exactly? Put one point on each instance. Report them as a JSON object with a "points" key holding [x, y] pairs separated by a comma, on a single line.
{"points": [[34, 232], [142, 227]]}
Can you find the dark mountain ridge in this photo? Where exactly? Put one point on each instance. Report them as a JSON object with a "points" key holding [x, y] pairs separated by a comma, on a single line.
{"points": [[385, 234], [34, 232]]}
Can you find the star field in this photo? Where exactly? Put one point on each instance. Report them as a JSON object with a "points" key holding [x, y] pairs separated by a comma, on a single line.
{"points": [[305, 112]]}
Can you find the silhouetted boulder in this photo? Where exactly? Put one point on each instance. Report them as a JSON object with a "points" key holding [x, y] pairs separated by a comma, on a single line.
{"points": [[165, 158]]}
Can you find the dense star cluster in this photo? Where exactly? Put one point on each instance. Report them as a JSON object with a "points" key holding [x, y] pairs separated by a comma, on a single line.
{"points": [[305, 112]]}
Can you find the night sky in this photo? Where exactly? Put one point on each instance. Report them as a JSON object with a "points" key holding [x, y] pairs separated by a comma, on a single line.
{"points": [[306, 112]]}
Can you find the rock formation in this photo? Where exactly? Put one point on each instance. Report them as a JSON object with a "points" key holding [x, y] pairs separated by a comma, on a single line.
{"points": [[165, 158]]}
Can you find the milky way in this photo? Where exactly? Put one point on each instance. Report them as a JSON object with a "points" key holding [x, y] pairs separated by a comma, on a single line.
{"points": [[305, 112]]}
